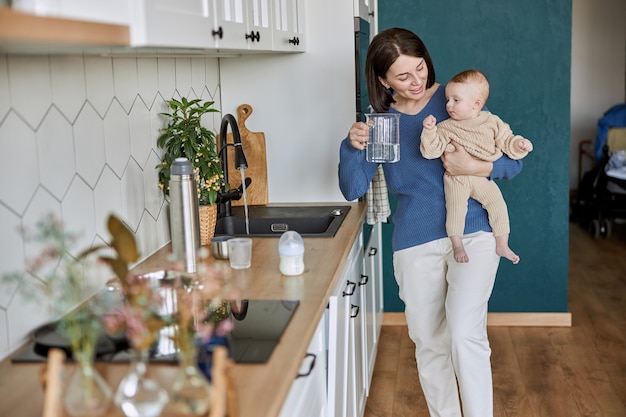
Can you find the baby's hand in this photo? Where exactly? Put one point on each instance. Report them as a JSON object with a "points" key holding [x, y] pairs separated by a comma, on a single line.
{"points": [[525, 145], [429, 122]]}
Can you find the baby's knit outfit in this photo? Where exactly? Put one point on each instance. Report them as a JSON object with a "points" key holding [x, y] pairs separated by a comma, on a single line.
{"points": [[486, 137]]}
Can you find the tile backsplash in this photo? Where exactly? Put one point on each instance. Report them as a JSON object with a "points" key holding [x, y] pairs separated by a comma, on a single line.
{"points": [[78, 139]]}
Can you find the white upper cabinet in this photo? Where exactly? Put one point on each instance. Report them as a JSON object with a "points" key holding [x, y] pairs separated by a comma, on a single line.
{"points": [[259, 25], [288, 25], [212, 25], [180, 24], [245, 24]]}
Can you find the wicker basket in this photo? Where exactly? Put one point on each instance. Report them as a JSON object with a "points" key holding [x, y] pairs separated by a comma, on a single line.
{"points": [[208, 218]]}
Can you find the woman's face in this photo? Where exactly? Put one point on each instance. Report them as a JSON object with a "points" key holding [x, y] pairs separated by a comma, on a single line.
{"points": [[407, 76]]}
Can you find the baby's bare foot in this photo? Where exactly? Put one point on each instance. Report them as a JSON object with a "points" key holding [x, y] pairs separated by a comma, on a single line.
{"points": [[507, 253]]}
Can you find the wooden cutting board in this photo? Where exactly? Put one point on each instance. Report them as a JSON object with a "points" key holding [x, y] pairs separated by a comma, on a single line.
{"points": [[253, 144]]}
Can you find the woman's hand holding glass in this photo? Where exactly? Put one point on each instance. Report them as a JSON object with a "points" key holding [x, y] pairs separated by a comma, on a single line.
{"points": [[358, 135]]}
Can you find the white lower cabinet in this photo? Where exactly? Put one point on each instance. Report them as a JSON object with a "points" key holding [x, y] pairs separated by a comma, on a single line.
{"points": [[341, 361], [373, 299], [307, 395], [347, 337]]}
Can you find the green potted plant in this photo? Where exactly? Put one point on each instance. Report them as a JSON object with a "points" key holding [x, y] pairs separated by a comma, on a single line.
{"points": [[184, 136]]}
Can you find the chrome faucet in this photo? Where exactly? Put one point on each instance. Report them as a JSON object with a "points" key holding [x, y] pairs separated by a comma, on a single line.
{"points": [[226, 196]]}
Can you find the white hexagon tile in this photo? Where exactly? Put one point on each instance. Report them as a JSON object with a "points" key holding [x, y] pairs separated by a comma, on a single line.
{"points": [[116, 138], [133, 195], [108, 197], [125, 81], [42, 205], [153, 194], [99, 83], [147, 80], [30, 316], [166, 70], [89, 144], [55, 149], [5, 99], [78, 213], [198, 75], [12, 252], [183, 76], [29, 86], [4, 331], [18, 156], [141, 134], [66, 70], [78, 138]]}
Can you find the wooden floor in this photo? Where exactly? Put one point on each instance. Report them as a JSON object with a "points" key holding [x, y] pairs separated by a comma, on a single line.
{"points": [[578, 371]]}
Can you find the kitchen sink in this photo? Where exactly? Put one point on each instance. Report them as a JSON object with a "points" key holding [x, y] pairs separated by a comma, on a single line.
{"points": [[272, 221]]}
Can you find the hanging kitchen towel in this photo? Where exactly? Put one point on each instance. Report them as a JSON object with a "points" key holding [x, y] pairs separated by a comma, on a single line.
{"points": [[377, 199]]}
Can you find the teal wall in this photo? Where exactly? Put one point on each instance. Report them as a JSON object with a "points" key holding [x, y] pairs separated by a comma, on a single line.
{"points": [[524, 47]]}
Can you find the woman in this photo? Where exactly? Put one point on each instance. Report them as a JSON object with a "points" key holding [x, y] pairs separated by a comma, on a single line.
{"points": [[445, 301]]}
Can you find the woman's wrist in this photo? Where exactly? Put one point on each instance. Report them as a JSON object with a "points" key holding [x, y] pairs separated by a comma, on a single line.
{"points": [[482, 168]]}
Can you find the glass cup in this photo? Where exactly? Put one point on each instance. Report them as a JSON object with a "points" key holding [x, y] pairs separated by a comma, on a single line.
{"points": [[240, 252], [383, 143]]}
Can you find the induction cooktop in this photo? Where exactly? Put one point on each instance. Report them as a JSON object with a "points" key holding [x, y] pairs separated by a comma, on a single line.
{"points": [[257, 328]]}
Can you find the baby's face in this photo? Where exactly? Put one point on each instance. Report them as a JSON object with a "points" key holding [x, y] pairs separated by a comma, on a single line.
{"points": [[462, 101]]}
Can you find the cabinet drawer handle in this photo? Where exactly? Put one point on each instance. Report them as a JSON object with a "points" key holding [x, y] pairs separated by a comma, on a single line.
{"points": [[353, 287], [373, 251], [219, 32], [252, 36], [313, 356], [364, 279], [355, 311], [295, 40]]}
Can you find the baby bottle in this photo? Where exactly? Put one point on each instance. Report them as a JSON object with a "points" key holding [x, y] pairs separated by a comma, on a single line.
{"points": [[291, 251]]}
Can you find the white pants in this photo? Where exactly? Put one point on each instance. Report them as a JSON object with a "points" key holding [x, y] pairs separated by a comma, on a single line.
{"points": [[446, 313]]}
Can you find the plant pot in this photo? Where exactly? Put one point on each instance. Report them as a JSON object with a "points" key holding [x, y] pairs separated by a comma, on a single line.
{"points": [[208, 219]]}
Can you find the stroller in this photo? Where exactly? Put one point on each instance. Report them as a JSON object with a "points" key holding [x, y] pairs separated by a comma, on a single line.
{"points": [[602, 191]]}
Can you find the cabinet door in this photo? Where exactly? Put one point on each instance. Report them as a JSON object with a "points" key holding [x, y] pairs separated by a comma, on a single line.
{"points": [[362, 9], [376, 244], [259, 33], [245, 24], [307, 395], [231, 20], [357, 389], [338, 325], [288, 25], [366, 10], [372, 269], [165, 23], [341, 338]]}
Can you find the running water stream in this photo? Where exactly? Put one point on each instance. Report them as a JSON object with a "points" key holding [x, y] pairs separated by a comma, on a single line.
{"points": [[245, 199]]}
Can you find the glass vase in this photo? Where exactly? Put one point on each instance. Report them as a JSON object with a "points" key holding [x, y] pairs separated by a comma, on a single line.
{"points": [[138, 395], [86, 393], [191, 391]]}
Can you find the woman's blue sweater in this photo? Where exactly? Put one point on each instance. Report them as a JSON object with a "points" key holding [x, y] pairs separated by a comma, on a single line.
{"points": [[416, 182]]}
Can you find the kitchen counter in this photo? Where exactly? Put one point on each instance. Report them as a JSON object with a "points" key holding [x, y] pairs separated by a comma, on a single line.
{"points": [[260, 388]]}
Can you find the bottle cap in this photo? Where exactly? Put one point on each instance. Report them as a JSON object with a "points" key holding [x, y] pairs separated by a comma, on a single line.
{"points": [[182, 166]]}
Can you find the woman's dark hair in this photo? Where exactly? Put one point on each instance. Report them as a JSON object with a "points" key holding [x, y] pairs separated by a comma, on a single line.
{"points": [[383, 51]]}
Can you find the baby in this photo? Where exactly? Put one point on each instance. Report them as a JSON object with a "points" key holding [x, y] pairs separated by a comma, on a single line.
{"points": [[484, 136]]}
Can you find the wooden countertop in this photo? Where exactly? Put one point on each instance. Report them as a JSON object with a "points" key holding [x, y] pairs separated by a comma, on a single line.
{"points": [[23, 31], [261, 388]]}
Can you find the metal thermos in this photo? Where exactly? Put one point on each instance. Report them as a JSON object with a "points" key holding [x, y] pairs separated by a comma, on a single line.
{"points": [[184, 213]]}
